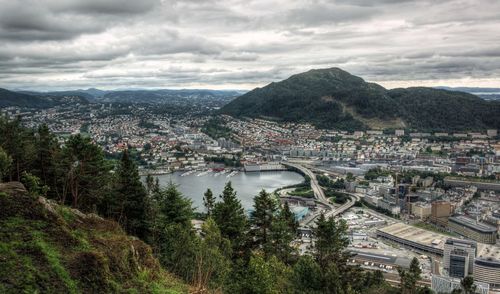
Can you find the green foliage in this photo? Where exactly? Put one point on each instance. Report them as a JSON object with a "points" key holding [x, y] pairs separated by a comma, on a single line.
{"points": [[215, 128], [265, 276], [5, 164], [87, 173], [338, 197], [302, 191], [233, 162], [376, 172], [33, 184], [307, 275], [213, 261]]}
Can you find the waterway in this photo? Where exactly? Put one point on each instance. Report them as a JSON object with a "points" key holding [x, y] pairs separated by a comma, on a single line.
{"points": [[247, 185]]}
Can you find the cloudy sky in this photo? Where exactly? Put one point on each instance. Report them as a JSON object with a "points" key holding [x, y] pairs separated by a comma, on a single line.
{"points": [[241, 44]]}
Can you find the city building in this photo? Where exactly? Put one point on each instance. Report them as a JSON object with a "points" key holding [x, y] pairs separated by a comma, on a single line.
{"points": [[440, 211], [421, 210], [458, 258], [473, 229]]}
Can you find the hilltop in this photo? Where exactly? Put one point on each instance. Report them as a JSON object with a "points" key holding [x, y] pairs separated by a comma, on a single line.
{"points": [[333, 98], [50, 248]]}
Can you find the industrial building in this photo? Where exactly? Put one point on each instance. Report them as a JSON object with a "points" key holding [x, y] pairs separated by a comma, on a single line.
{"points": [[413, 237], [473, 229]]}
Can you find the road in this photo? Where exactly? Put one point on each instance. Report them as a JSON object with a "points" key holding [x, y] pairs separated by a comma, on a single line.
{"points": [[319, 194]]}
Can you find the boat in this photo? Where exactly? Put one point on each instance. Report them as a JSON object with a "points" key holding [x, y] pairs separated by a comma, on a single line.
{"points": [[232, 174]]}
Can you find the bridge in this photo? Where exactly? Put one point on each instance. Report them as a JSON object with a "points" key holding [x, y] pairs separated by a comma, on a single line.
{"points": [[319, 194]]}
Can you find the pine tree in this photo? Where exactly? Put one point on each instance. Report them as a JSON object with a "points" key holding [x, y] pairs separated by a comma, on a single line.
{"points": [[230, 217], [262, 219], [410, 277], [209, 201], [86, 173], [287, 215], [331, 241], [130, 204], [45, 164]]}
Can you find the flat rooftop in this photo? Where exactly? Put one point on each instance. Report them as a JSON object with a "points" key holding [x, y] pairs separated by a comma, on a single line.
{"points": [[417, 235], [488, 251]]}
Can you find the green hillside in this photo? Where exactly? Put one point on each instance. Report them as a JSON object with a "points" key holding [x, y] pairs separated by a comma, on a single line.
{"points": [[50, 248], [333, 98]]}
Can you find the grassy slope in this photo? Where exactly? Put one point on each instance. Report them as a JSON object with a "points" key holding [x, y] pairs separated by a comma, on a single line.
{"points": [[47, 248]]}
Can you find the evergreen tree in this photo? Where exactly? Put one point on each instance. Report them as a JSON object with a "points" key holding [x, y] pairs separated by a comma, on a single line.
{"points": [[331, 241], [174, 208], [86, 174], [172, 235], [230, 217], [262, 219], [410, 277], [18, 142], [287, 215], [45, 164], [130, 202], [209, 201], [150, 184], [283, 231]]}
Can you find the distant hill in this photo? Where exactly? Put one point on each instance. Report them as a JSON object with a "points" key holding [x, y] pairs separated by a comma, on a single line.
{"points": [[164, 95], [333, 98], [485, 93], [39, 100], [10, 98], [51, 248], [142, 96]]}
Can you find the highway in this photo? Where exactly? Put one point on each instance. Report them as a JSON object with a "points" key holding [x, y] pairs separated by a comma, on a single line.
{"points": [[331, 211]]}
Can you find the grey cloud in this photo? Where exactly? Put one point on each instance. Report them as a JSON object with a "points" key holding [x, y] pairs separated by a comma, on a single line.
{"points": [[242, 43]]}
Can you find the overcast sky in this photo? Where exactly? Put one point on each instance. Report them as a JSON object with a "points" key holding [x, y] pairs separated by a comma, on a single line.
{"points": [[241, 44]]}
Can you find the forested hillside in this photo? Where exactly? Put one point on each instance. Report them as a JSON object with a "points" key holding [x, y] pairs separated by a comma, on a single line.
{"points": [[333, 98]]}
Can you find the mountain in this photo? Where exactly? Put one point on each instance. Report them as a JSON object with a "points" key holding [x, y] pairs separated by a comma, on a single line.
{"points": [[333, 98], [49, 248], [39, 100]]}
